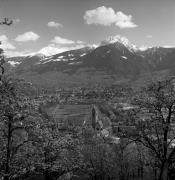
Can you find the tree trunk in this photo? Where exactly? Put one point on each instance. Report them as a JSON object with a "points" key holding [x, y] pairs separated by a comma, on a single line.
{"points": [[47, 175], [6, 177], [164, 171]]}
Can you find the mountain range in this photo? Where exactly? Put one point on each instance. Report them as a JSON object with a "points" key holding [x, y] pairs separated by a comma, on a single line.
{"points": [[114, 61]]}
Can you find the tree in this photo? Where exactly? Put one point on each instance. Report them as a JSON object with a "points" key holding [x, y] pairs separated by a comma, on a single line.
{"points": [[100, 160], [57, 150], [154, 115], [6, 21], [16, 124]]}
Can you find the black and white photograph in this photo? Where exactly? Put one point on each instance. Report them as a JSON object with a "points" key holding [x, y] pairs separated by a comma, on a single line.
{"points": [[87, 89]]}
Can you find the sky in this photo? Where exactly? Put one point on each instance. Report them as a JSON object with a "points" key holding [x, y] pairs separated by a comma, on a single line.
{"points": [[53, 26]]}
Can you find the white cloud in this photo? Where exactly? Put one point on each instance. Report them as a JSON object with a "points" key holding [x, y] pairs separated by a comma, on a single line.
{"points": [[16, 53], [63, 41], [93, 45], [79, 46], [5, 44], [28, 36], [54, 24], [124, 21], [79, 42], [16, 20], [60, 40], [58, 45], [125, 24], [143, 48], [101, 15], [3, 38], [149, 36], [107, 16], [49, 50], [168, 46]]}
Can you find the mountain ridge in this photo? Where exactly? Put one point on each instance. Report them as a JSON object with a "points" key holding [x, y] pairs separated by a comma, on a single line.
{"points": [[113, 60]]}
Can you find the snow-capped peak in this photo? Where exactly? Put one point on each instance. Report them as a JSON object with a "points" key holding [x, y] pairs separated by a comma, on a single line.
{"points": [[92, 46], [143, 48], [49, 50], [117, 38], [120, 39], [40, 55]]}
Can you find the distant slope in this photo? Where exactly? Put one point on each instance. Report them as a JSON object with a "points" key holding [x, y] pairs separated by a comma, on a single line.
{"points": [[115, 61]]}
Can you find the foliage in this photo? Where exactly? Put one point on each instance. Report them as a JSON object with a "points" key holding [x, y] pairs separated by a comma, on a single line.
{"points": [[57, 150], [154, 122], [17, 119]]}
